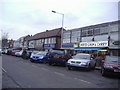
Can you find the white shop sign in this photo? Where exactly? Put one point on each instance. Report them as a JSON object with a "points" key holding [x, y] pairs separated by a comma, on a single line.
{"points": [[94, 44]]}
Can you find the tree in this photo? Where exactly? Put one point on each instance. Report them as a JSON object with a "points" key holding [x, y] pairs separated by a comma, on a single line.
{"points": [[4, 40]]}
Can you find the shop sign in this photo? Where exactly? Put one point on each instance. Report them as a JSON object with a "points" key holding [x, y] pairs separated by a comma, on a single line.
{"points": [[67, 45], [116, 42], [94, 44], [49, 45]]}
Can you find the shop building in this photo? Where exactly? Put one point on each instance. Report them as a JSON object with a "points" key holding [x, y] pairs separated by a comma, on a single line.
{"points": [[46, 40], [21, 42], [91, 37]]}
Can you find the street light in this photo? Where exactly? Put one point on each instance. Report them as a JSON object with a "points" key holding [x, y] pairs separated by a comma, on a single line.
{"points": [[62, 23]]}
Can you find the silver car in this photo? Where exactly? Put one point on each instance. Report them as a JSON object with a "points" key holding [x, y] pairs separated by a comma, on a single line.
{"points": [[81, 60]]}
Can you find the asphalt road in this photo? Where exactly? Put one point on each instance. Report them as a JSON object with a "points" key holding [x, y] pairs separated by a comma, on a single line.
{"points": [[19, 73]]}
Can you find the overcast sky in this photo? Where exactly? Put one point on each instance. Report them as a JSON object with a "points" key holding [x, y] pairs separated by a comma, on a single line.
{"points": [[23, 17]]}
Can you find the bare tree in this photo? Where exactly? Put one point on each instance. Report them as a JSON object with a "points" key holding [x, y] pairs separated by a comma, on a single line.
{"points": [[4, 40]]}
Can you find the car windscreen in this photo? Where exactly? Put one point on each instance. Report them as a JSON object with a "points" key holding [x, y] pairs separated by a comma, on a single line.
{"points": [[57, 51], [112, 59], [41, 53], [81, 57], [35, 52]]}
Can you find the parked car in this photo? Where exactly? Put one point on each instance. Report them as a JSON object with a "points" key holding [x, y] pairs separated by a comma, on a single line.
{"points": [[3, 51], [13, 52], [6, 51], [81, 60], [34, 52], [9, 51], [39, 57], [19, 53], [111, 65], [26, 54], [58, 57]]}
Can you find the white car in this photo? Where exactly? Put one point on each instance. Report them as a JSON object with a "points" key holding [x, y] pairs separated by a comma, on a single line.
{"points": [[19, 54], [81, 60]]}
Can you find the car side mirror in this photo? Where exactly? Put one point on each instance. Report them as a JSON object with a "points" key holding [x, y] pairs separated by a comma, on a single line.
{"points": [[91, 58], [72, 56]]}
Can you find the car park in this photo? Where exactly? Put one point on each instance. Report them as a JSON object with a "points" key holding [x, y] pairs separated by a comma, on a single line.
{"points": [[111, 65], [58, 57], [39, 57], [81, 60]]}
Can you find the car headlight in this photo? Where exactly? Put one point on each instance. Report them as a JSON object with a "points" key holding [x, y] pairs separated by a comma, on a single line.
{"points": [[84, 63], [108, 66], [68, 61], [41, 57]]}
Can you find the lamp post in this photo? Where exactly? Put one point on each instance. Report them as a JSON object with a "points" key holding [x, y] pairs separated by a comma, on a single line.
{"points": [[62, 24]]}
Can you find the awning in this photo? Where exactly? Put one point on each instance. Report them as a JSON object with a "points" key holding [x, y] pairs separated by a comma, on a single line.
{"points": [[89, 48]]}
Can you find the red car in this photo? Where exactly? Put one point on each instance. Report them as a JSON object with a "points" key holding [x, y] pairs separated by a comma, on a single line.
{"points": [[14, 51], [111, 65]]}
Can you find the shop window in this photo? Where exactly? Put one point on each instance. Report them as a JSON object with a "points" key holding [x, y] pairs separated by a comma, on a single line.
{"points": [[84, 33], [104, 30], [75, 37], [113, 28], [66, 35], [96, 31], [89, 32], [46, 41]]}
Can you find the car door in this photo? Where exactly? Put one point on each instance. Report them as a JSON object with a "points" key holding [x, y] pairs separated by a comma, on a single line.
{"points": [[92, 61]]}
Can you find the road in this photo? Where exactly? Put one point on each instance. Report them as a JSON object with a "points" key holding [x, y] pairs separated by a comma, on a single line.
{"points": [[19, 73]]}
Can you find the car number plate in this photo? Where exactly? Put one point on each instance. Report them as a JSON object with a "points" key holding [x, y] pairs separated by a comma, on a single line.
{"points": [[56, 56], [116, 70]]}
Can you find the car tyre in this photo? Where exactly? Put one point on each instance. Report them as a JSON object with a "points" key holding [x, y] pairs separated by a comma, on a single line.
{"points": [[89, 68], [31, 60], [44, 61], [94, 67], [69, 68], [50, 63], [103, 72]]}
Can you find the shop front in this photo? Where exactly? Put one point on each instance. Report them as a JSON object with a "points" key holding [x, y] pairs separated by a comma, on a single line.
{"points": [[49, 46], [96, 47], [114, 48], [31, 45]]}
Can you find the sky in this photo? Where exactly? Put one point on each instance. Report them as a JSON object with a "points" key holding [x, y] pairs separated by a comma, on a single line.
{"points": [[22, 17]]}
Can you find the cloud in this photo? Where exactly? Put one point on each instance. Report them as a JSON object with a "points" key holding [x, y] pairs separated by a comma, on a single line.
{"points": [[21, 17]]}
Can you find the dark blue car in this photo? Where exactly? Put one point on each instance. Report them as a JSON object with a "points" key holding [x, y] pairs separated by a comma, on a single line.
{"points": [[39, 57], [58, 57]]}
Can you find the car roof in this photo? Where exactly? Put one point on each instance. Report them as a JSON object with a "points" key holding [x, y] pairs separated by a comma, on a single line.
{"points": [[83, 54]]}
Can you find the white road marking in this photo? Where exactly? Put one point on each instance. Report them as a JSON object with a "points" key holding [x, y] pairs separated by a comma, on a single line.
{"points": [[34, 66], [45, 69], [82, 80], [59, 73], [4, 70]]}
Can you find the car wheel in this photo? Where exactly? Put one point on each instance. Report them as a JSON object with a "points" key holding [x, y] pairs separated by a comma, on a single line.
{"points": [[44, 61], [103, 72], [69, 68], [94, 67], [89, 67], [31, 60], [50, 63]]}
